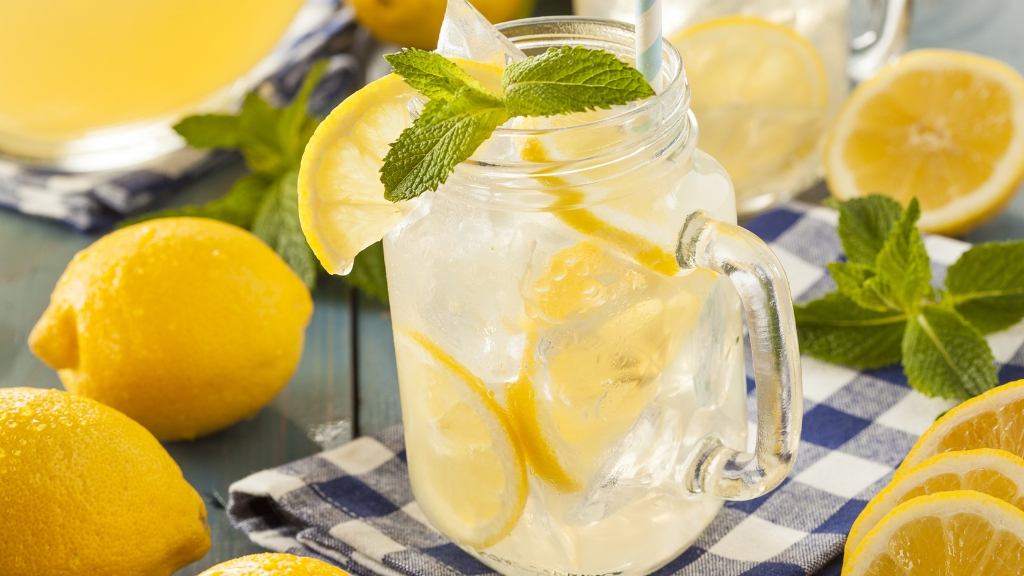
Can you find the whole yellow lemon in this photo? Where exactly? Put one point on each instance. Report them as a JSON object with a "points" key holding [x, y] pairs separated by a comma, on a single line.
{"points": [[84, 490], [274, 565], [417, 23], [186, 325]]}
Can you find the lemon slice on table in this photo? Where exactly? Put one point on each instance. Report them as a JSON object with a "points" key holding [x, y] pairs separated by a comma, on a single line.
{"points": [[607, 331], [466, 467], [960, 533], [993, 472], [993, 420], [760, 94], [946, 127]]}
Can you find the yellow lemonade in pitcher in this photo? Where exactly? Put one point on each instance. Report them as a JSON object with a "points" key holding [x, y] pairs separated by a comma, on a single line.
{"points": [[71, 66]]}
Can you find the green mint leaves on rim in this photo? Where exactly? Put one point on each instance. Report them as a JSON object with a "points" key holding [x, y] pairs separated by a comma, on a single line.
{"points": [[885, 309], [461, 113]]}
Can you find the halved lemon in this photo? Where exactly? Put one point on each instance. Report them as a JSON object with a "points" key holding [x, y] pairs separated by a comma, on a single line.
{"points": [[944, 126], [993, 472], [960, 533], [993, 420], [467, 470], [760, 94]]}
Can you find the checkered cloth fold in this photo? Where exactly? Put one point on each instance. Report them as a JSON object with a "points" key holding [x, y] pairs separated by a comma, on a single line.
{"points": [[95, 200], [353, 504]]}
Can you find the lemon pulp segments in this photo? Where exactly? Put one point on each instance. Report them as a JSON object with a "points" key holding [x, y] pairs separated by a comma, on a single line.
{"points": [[961, 533], [993, 472], [993, 420], [943, 126], [466, 468]]}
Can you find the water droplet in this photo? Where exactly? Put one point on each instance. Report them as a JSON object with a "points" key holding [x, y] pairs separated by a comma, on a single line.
{"points": [[12, 423], [40, 427]]}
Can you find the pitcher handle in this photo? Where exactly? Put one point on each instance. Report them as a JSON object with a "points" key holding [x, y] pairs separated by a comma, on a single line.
{"points": [[875, 48], [758, 277]]}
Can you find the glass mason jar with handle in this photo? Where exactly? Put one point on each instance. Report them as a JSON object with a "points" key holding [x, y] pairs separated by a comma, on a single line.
{"points": [[567, 311], [768, 76]]}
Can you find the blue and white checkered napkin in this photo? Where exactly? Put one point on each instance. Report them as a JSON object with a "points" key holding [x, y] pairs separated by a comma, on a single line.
{"points": [[94, 200], [353, 504]]}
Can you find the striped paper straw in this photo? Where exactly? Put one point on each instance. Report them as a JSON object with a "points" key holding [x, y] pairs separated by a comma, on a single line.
{"points": [[648, 41]]}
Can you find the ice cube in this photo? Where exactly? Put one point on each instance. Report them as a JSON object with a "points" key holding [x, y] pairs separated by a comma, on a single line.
{"points": [[465, 33]]}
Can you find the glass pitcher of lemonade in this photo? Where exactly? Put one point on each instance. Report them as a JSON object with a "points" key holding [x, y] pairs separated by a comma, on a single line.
{"points": [[92, 84], [567, 312], [769, 75]]}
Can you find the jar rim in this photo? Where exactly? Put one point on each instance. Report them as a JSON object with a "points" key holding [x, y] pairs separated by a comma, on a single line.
{"points": [[532, 29]]}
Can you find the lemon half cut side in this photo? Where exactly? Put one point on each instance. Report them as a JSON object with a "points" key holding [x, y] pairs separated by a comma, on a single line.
{"points": [[993, 420], [944, 126], [993, 472], [960, 533]]}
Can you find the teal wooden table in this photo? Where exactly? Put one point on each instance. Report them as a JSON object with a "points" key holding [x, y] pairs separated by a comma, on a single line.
{"points": [[346, 383]]}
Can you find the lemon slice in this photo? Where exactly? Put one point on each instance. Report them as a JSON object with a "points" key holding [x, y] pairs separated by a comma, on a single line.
{"points": [[991, 472], [603, 333], [946, 127], [341, 199], [760, 94], [960, 533], [466, 468], [993, 420]]}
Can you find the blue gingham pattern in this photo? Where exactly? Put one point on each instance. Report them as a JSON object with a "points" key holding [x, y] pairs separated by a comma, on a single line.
{"points": [[353, 504], [94, 200]]}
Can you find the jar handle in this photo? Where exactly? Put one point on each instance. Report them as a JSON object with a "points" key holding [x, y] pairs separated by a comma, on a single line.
{"points": [[758, 278], [873, 49]]}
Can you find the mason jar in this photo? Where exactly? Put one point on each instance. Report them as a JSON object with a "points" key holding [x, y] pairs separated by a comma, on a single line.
{"points": [[567, 310]]}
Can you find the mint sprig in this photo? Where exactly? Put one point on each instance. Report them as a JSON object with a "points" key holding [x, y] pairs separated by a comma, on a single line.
{"points": [[271, 141], [885, 309], [461, 113]]}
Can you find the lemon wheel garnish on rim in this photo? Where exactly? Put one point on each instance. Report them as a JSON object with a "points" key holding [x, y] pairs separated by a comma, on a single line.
{"points": [[760, 94], [960, 533], [466, 466], [946, 127], [341, 199], [993, 420], [993, 472]]}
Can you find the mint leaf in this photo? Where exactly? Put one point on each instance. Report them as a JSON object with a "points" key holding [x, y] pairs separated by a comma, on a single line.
{"points": [[852, 281], [570, 79], [237, 207], [903, 270], [945, 356], [987, 285], [260, 146], [836, 329], [294, 125], [211, 131], [864, 226], [445, 135], [435, 76], [277, 224], [367, 273]]}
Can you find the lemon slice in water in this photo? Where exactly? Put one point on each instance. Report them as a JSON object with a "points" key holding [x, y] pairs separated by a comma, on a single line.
{"points": [[466, 468]]}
